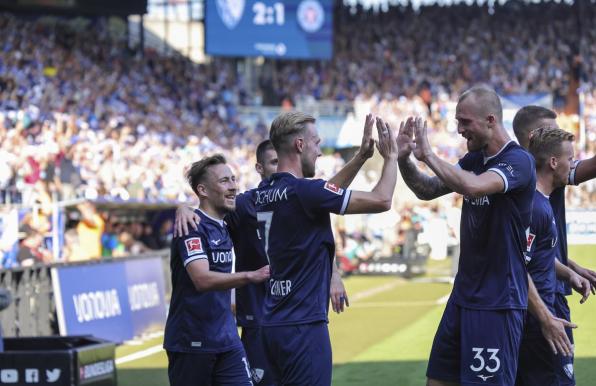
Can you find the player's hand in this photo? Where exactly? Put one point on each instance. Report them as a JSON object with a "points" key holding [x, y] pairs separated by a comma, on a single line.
{"points": [[423, 150], [387, 146], [554, 333], [581, 285], [367, 147], [338, 294], [260, 275], [185, 216], [405, 139], [589, 275]]}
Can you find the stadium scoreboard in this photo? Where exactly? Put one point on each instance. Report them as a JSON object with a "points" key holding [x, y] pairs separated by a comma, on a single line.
{"points": [[290, 29]]}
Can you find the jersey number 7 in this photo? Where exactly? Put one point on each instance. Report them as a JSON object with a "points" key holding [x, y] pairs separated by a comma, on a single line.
{"points": [[264, 219]]}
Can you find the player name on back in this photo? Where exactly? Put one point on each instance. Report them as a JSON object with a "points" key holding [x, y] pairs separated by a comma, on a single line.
{"points": [[272, 195]]}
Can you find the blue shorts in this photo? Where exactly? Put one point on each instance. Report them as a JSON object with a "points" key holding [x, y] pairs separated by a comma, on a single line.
{"points": [[205, 369], [299, 355], [537, 363], [564, 365], [473, 347], [259, 366]]}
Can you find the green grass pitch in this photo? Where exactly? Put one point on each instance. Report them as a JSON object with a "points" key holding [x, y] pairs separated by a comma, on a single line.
{"points": [[385, 336]]}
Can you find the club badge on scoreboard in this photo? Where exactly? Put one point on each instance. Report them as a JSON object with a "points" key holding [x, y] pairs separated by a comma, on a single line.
{"points": [[311, 15], [230, 12]]}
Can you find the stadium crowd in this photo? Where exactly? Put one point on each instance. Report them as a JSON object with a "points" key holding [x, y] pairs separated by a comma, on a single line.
{"points": [[80, 120]]}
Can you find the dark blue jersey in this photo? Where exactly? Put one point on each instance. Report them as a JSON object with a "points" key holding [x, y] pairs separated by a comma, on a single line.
{"points": [[541, 252], [201, 322], [295, 228], [557, 201], [250, 256], [492, 273]]}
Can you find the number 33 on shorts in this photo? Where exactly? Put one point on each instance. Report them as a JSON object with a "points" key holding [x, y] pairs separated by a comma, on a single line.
{"points": [[485, 363]]}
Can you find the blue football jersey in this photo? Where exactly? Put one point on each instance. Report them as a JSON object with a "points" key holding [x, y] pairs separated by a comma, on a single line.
{"points": [[250, 256], [492, 273], [201, 322], [295, 228], [557, 201], [542, 249]]}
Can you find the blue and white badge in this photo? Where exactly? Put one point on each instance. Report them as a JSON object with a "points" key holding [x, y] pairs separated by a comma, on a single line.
{"points": [[230, 12], [310, 15]]}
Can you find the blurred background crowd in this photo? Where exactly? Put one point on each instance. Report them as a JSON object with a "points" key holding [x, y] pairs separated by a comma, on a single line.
{"points": [[84, 125]]}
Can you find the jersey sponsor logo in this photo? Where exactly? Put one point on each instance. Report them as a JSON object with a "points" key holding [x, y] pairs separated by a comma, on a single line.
{"points": [[222, 257], [230, 11], [272, 195], [333, 188], [257, 375], [477, 201], [568, 368], [485, 377], [194, 246], [196, 344]]}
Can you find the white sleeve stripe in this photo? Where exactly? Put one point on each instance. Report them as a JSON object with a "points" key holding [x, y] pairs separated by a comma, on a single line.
{"points": [[344, 206], [572, 174], [193, 258], [502, 176]]}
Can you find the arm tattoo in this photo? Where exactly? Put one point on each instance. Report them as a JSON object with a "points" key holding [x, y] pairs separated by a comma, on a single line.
{"points": [[424, 187]]}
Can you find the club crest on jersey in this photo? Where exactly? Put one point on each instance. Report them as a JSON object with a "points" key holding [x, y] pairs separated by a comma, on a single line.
{"points": [[333, 188], [230, 12], [194, 246]]}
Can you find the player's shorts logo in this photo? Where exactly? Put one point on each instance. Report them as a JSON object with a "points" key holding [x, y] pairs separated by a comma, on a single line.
{"points": [[311, 15], [569, 370], [230, 12], [194, 246]]}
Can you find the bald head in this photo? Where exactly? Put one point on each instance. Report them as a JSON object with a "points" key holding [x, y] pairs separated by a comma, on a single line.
{"points": [[484, 101]]}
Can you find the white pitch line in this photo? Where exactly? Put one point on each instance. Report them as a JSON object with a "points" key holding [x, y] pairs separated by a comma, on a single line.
{"points": [[374, 291], [140, 354]]}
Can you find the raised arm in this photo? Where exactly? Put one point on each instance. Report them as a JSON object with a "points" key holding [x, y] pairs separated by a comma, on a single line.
{"points": [[424, 186], [207, 280], [453, 176], [380, 198], [585, 171], [346, 175]]}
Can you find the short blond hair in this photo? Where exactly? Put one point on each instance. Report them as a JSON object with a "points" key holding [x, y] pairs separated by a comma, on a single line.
{"points": [[545, 142], [286, 126]]}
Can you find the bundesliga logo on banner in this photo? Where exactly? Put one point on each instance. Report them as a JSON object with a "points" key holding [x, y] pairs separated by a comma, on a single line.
{"points": [[230, 12]]}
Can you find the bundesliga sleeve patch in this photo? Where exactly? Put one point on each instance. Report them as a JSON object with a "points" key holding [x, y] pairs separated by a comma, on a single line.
{"points": [[194, 246], [333, 188], [531, 238]]}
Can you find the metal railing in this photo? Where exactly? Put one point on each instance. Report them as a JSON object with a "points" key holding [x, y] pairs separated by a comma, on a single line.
{"points": [[33, 310]]}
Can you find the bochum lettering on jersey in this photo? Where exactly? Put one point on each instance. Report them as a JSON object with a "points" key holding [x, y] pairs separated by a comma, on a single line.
{"points": [[95, 305], [269, 196]]}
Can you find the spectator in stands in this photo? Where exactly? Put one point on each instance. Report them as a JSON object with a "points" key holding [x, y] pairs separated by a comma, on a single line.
{"points": [[89, 231]]}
